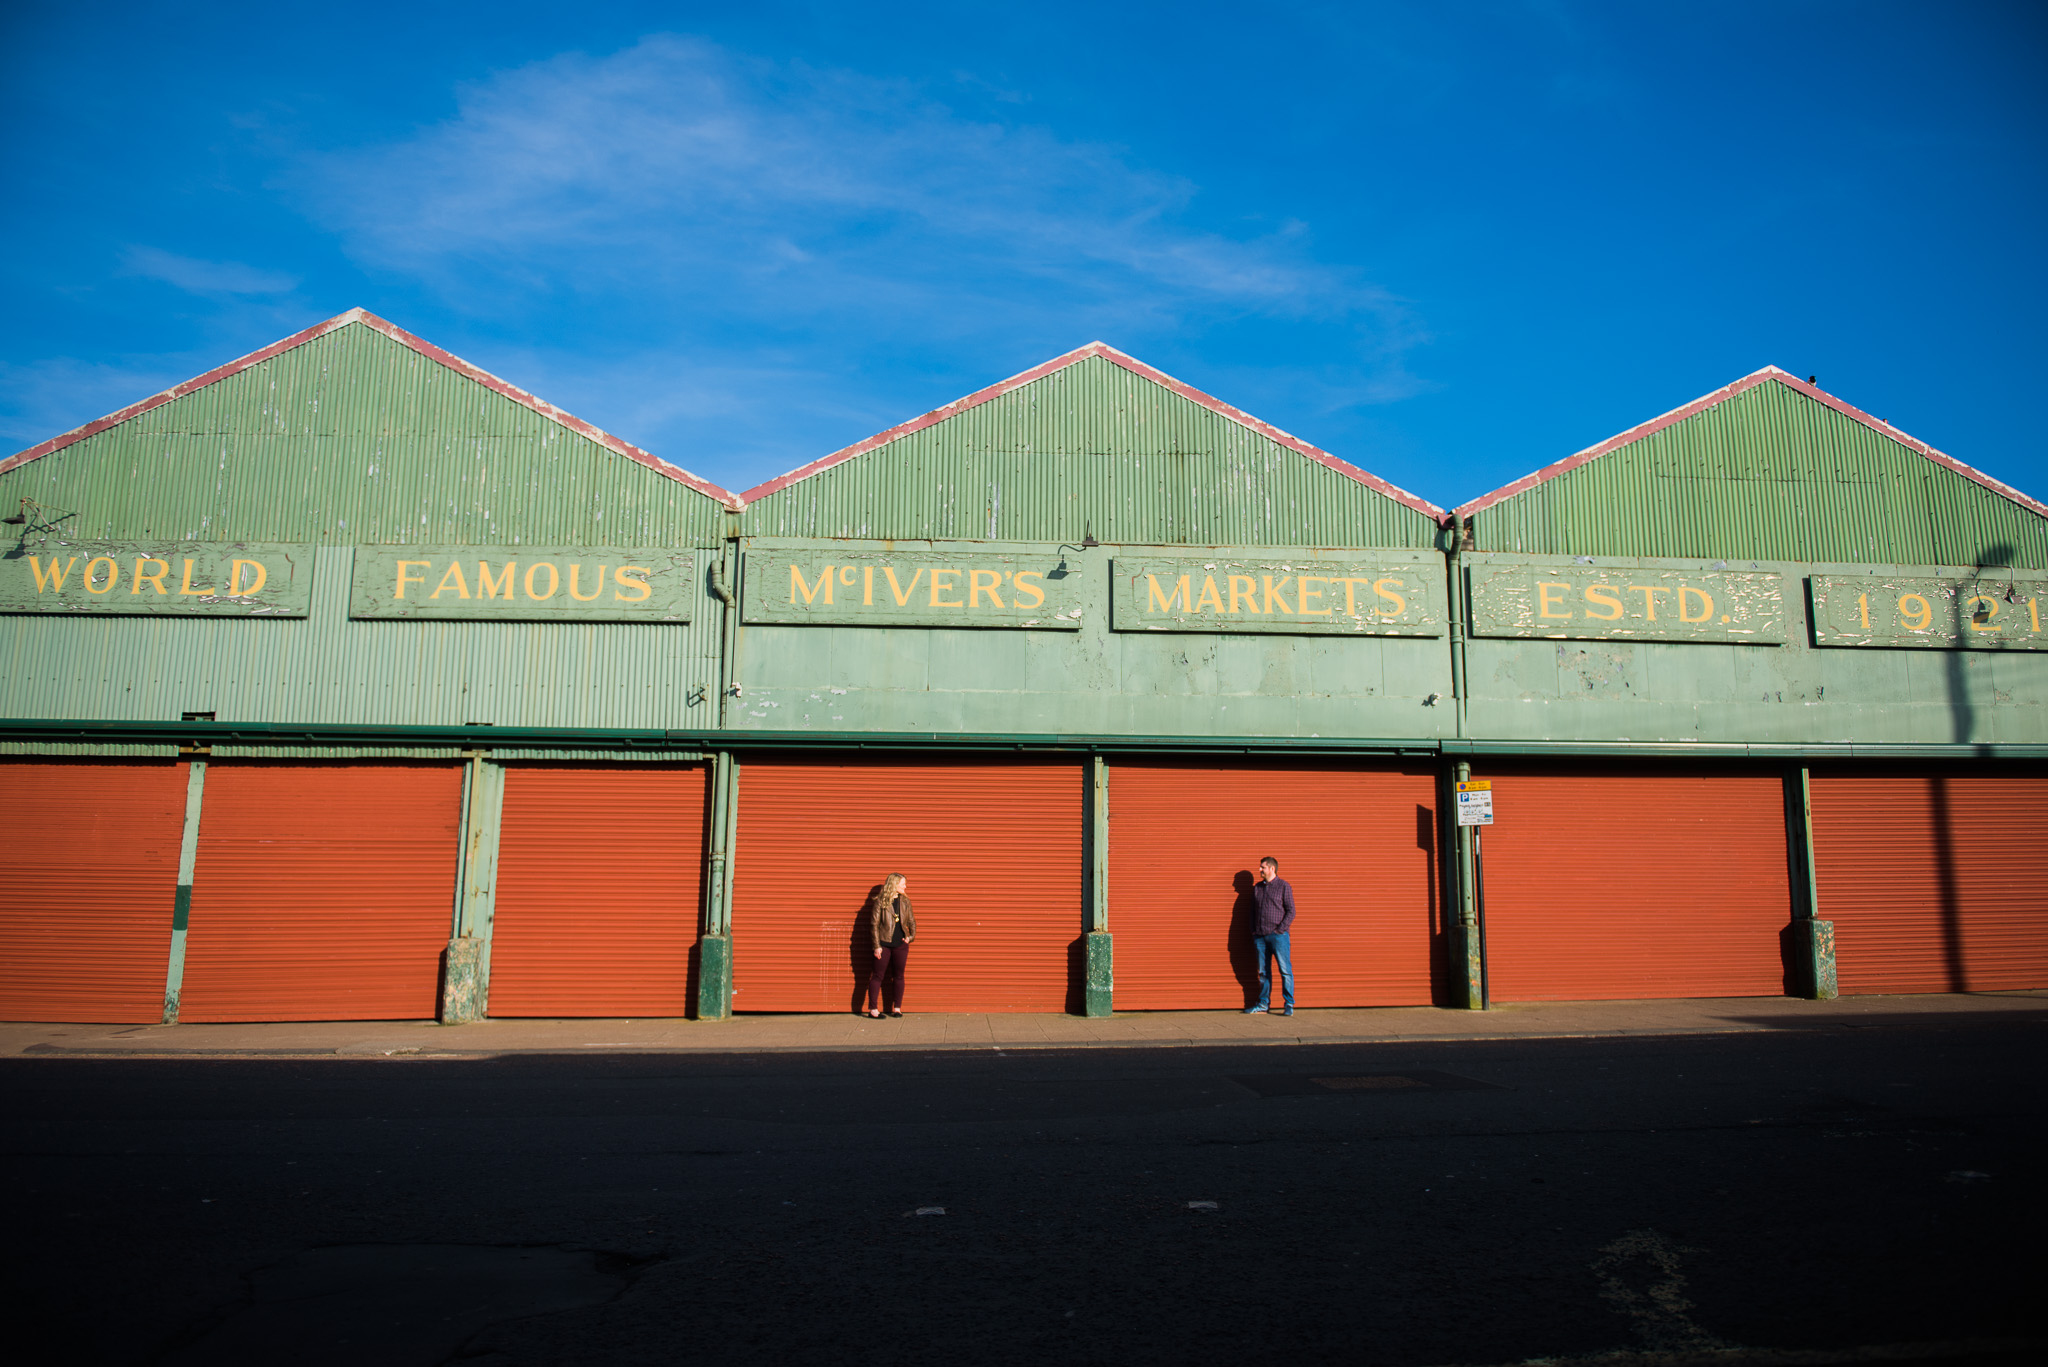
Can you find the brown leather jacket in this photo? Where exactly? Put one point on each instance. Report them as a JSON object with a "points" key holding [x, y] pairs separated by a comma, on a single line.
{"points": [[882, 925]]}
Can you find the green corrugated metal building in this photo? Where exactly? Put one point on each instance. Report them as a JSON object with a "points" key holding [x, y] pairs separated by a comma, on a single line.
{"points": [[354, 682]]}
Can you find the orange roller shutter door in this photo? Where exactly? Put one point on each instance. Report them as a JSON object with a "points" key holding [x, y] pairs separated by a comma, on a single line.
{"points": [[1936, 881], [994, 857], [91, 853], [322, 891], [599, 887], [1610, 885], [1358, 846]]}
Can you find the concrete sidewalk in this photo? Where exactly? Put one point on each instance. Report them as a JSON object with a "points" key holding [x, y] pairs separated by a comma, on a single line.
{"points": [[1146, 1029]]}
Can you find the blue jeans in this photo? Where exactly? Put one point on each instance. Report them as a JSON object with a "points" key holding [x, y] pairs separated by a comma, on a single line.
{"points": [[1272, 950]]}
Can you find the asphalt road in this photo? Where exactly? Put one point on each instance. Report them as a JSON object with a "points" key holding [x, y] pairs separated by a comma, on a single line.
{"points": [[1849, 1194]]}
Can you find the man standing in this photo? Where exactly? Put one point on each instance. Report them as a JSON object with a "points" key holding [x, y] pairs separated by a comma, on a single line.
{"points": [[1272, 915]]}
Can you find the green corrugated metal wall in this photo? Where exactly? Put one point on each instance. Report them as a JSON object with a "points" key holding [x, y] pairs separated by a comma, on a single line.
{"points": [[1769, 475], [347, 439], [1090, 447], [353, 438]]}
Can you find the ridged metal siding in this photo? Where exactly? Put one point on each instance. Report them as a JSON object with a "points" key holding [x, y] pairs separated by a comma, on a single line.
{"points": [[354, 438], [993, 855], [322, 892], [598, 891], [1646, 884], [1090, 447], [327, 668], [91, 859], [1936, 882], [1772, 475], [1184, 840]]}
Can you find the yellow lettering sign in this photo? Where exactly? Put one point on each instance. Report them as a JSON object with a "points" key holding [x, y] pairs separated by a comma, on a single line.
{"points": [[404, 578], [163, 567], [1038, 594], [867, 586], [1210, 600], [500, 587], [1604, 595], [185, 588], [975, 588], [453, 580], [1649, 593], [1400, 604], [576, 592], [1238, 595], [635, 577], [810, 591], [554, 580], [1157, 602], [1274, 601], [1920, 609], [1308, 594], [1546, 599], [1706, 602], [902, 594], [113, 573], [937, 601], [52, 578]]}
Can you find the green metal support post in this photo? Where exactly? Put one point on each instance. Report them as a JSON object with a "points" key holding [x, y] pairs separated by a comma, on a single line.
{"points": [[1468, 947], [466, 970], [1813, 938], [181, 902], [714, 946], [1099, 960]]}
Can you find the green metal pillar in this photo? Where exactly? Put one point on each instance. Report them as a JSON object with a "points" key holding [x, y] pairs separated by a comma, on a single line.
{"points": [[1467, 943], [1098, 989], [1813, 940], [181, 900], [466, 968], [714, 945]]}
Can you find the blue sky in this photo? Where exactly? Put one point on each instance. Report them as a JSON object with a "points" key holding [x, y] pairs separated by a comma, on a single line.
{"points": [[1447, 242]]}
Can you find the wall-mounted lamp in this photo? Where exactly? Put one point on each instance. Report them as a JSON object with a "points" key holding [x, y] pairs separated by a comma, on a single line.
{"points": [[45, 517]]}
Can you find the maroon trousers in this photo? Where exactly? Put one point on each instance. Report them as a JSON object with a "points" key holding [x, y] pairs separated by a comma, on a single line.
{"points": [[888, 974]]}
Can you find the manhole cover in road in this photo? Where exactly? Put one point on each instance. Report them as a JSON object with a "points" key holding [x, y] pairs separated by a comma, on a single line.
{"points": [[1419, 1080]]}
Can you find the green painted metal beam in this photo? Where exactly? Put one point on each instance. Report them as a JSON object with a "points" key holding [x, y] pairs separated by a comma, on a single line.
{"points": [[693, 745], [714, 943], [181, 903], [1098, 987]]}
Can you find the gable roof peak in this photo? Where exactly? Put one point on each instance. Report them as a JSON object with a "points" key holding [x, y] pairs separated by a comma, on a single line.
{"points": [[1769, 374], [1124, 361], [410, 342]]}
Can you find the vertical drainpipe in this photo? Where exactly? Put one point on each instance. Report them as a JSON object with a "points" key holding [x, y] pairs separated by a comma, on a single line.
{"points": [[714, 945], [466, 966], [1467, 943], [1813, 941], [725, 585], [181, 900], [714, 942], [1098, 996]]}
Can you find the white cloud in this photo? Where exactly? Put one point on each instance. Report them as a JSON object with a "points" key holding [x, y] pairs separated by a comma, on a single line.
{"points": [[204, 277], [735, 193]]}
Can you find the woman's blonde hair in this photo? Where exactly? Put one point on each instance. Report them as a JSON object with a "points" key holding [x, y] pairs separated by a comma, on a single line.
{"points": [[892, 888]]}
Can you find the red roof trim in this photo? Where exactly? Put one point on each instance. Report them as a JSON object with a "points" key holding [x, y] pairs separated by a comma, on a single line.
{"points": [[405, 339], [1136, 367], [1726, 392]]}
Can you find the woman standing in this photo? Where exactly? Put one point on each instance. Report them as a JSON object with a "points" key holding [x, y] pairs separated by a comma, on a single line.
{"points": [[893, 928]]}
